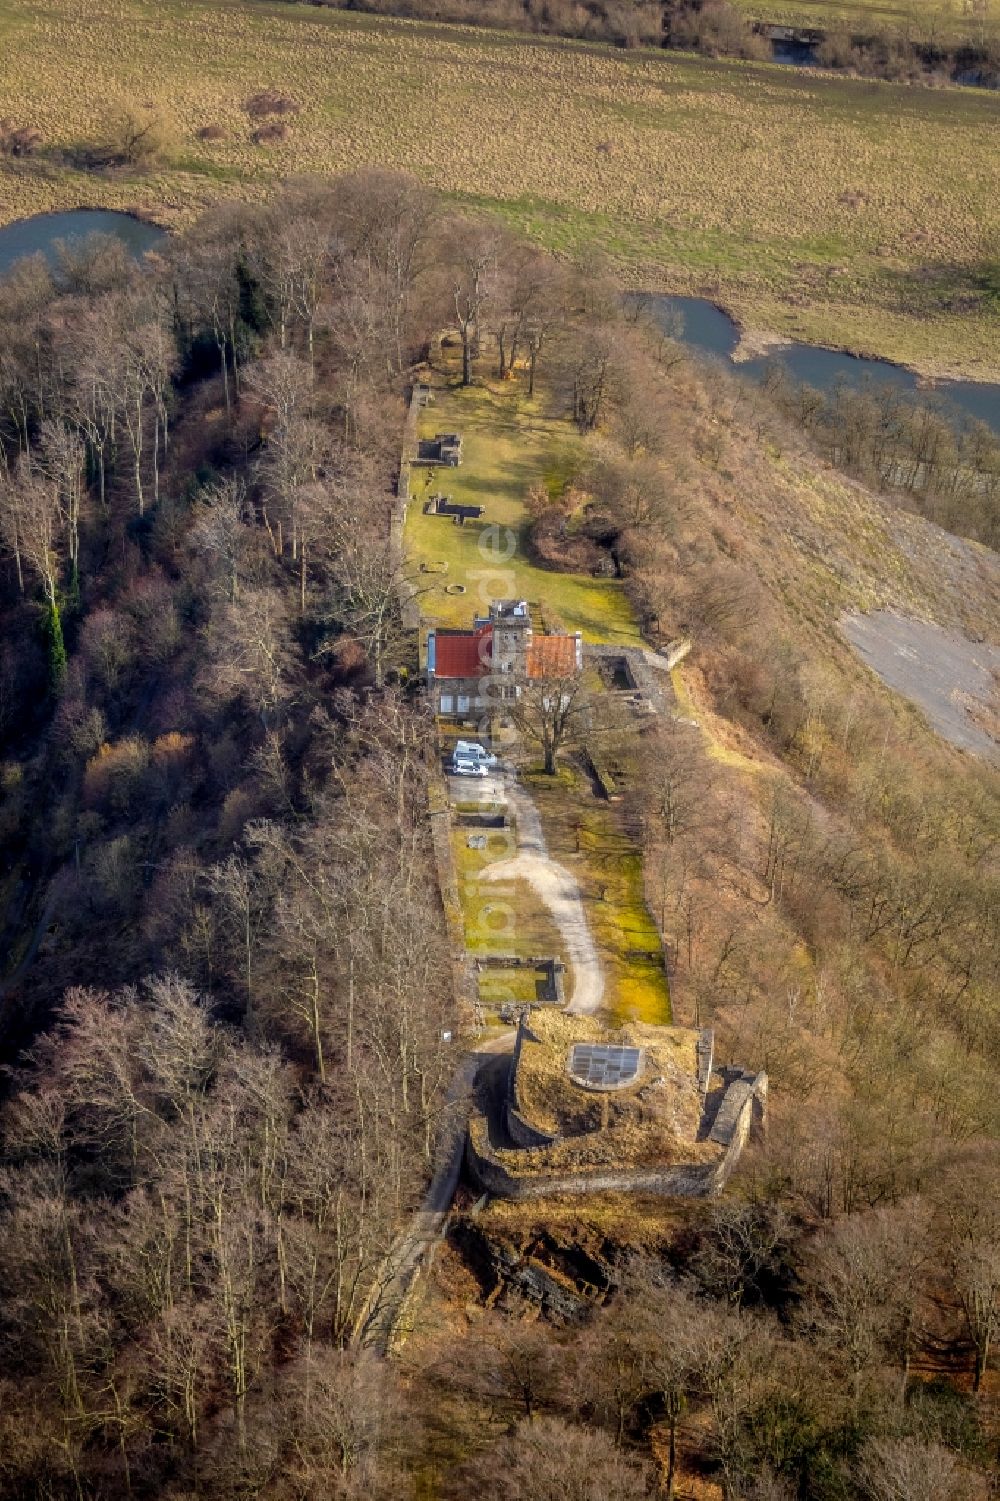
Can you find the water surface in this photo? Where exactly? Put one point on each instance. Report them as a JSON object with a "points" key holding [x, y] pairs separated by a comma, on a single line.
{"points": [[705, 328], [43, 233]]}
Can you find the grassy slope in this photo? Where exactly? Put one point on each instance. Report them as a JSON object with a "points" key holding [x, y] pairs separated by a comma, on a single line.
{"points": [[942, 21], [738, 180], [823, 545]]}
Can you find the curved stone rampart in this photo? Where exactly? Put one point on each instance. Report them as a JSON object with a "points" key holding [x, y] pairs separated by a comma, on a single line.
{"points": [[700, 1180], [691, 1181]]}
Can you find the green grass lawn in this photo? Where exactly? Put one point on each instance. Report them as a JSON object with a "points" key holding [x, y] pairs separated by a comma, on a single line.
{"points": [[502, 917], [843, 211], [509, 444]]}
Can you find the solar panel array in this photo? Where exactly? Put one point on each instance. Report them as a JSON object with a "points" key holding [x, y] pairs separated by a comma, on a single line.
{"points": [[603, 1064]]}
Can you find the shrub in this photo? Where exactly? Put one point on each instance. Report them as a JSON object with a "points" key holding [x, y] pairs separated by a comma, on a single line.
{"points": [[211, 133], [132, 136], [270, 102], [268, 135], [718, 30], [18, 140]]}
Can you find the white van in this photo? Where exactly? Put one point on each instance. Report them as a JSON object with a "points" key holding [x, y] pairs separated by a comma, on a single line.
{"points": [[461, 766], [471, 750]]}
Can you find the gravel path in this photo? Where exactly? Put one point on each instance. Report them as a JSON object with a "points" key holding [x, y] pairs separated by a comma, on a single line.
{"points": [[560, 892]]}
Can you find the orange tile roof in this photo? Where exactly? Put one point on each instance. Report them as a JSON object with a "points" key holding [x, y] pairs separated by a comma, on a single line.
{"points": [[551, 656]]}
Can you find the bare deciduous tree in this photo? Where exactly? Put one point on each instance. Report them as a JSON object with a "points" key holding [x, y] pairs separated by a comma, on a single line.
{"points": [[551, 1460], [552, 712], [907, 1470]]}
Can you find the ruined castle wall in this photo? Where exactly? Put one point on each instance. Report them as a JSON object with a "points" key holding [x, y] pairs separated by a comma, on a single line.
{"points": [[699, 1180], [685, 1180], [520, 1130], [751, 1113]]}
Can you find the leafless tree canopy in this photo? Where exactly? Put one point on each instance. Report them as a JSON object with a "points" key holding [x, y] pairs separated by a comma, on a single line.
{"points": [[226, 981]]}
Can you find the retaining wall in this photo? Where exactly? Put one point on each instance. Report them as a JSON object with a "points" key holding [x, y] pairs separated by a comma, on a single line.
{"points": [[407, 591], [705, 1053], [520, 1131], [700, 1180], [465, 988], [692, 1181]]}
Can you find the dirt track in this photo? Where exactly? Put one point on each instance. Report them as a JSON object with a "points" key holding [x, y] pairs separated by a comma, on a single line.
{"points": [[560, 893]]}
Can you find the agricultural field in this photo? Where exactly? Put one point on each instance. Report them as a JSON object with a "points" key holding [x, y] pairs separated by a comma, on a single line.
{"points": [[944, 22], [852, 213]]}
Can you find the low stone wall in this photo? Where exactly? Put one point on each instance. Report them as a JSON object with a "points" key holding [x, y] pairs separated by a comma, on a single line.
{"points": [[553, 970], [705, 1053], [684, 1181], [464, 985], [520, 1131], [408, 602], [408, 451], [700, 1180], [514, 961], [675, 651]]}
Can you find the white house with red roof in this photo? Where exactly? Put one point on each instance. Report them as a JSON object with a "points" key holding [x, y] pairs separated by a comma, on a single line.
{"points": [[471, 673]]}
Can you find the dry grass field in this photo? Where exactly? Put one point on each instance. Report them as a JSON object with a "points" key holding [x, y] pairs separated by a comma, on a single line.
{"points": [[938, 21], [851, 213]]}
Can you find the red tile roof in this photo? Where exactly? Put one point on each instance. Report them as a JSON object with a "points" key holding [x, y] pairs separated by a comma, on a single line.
{"points": [[551, 656], [462, 654]]}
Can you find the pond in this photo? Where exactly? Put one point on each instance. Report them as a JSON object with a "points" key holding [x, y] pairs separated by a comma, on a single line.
{"points": [[793, 53], [44, 231], [705, 328]]}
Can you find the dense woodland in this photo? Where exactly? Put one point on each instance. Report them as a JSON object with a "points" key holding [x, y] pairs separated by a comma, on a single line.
{"points": [[230, 984]]}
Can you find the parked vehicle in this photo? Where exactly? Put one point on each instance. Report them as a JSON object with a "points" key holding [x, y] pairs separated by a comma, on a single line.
{"points": [[471, 750], [462, 767]]}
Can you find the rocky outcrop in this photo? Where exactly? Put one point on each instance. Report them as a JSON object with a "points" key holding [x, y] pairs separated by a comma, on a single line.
{"points": [[562, 1279]]}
